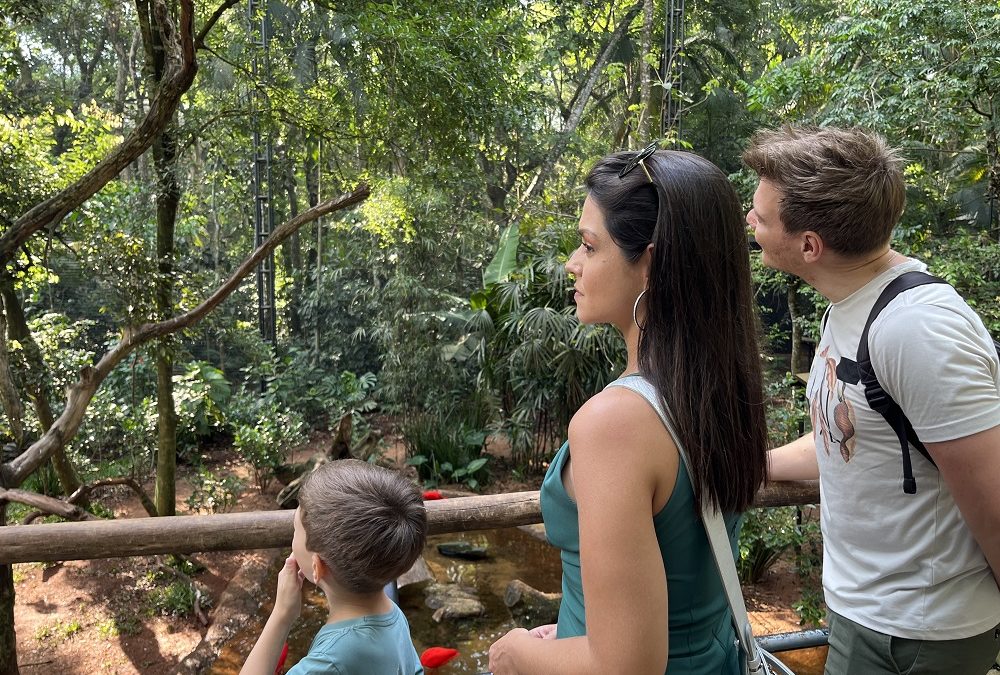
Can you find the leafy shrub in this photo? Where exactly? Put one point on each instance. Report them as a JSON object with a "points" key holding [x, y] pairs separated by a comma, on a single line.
{"points": [[211, 494], [313, 387], [810, 607], [528, 352], [766, 534], [264, 435], [59, 630], [176, 598], [787, 410], [446, 450], [201, 396]]}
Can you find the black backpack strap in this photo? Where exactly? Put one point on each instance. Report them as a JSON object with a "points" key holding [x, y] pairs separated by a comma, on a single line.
{"points": [[878, 398]]}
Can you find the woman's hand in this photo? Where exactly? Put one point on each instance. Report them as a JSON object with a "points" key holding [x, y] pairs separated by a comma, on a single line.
{"points": [[546, 632], [288, 599], [502, 652]]}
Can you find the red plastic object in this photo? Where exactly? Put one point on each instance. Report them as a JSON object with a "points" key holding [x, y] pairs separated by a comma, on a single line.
{"points": [[430, 495], [435, 657], [281, 659]]}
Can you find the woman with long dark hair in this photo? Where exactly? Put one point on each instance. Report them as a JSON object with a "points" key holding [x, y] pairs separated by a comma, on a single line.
{"points": [[663, 257]]}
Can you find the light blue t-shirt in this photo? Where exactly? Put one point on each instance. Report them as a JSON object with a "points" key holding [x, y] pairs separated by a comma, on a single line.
{"points": [[370, 645]]}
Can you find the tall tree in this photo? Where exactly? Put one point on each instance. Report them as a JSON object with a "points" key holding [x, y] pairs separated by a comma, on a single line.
{"points": [[154, 37]]}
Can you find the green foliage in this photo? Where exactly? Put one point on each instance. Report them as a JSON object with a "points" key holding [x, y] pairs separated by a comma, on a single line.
{"points": [[320, 395], [811, 608], [970, 261], [24, 173], [201, 397], [766, 534], [57, 631], [808, 565], [107, 629], [259, 446], [212, 494], [174, 599], [446, 450], [533, 360], [787, 409], [504, 262]]}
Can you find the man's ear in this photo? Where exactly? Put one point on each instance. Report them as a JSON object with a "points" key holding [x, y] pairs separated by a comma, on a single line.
{"points": [[811, 246]]}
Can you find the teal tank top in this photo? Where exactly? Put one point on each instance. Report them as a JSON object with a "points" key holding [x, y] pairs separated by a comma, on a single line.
{"points": [[702, 639]]}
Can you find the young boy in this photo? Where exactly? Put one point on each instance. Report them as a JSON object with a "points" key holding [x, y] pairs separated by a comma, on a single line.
{"points": [[358, 527]]}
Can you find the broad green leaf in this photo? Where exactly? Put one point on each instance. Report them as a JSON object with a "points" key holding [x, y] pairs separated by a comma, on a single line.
{"points": [[505, 260]]}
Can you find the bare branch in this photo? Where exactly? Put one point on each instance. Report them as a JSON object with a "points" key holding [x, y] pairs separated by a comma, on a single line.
{"points": [[83, 492], [581, 98], [975, 107], [80, 394], [199, 42], [56, 507]]}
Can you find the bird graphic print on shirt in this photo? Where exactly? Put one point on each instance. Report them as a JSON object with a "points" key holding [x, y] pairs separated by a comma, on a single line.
{"points": [[839, 434]]}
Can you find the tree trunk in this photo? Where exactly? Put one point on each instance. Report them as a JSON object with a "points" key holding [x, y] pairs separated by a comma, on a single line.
{"points": [[167, 198], [166, 446], [645, 86], [291, 250], [81, 393], [122, 62], [800, 357], [581, 99], [8, 640], [8, 391], [311, 168], [36, 379], [993, 165]]}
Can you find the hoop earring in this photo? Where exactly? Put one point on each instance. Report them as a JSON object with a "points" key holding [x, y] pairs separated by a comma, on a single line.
{"points": [[635, 309]]}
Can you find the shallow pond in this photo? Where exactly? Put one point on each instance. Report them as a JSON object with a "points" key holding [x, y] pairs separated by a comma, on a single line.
{"points": [[514, 554]]}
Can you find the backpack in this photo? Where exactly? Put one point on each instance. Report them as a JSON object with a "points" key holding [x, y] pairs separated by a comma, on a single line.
{"points": [[878, 398]]}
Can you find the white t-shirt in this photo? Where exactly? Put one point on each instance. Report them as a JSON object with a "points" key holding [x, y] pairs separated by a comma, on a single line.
{"points": [[904, 565]]}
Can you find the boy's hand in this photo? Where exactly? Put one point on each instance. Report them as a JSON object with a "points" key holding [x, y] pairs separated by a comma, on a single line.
{"points": [[288, 599], [546, 632]]}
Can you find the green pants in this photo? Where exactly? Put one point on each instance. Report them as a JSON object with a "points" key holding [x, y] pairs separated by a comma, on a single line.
{"points": [[856, 650]]}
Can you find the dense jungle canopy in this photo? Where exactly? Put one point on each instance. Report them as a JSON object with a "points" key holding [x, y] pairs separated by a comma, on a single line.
{"points": [[426, 159]]}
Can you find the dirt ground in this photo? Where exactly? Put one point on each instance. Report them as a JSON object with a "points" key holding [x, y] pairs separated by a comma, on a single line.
{"points": [[102, 616]]}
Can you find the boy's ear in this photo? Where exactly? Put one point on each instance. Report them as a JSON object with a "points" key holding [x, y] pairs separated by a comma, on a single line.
{"points": [[319, 568]]}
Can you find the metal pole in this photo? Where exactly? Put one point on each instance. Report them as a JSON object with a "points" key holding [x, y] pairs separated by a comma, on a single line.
{"points": [[673, 72], [259, 26]]}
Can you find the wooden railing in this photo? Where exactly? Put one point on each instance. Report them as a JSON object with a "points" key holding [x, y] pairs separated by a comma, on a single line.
{"points": [[271, 529]]}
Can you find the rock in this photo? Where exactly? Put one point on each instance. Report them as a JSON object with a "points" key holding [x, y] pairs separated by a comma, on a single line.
{"points": [[288, 498], [417, 574], [453, 601], [237, 608], [537, 531], [463, 549], [531, 607]]}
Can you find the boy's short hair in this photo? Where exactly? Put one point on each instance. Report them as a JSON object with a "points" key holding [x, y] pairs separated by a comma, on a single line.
{"points": [[844, 184], [367, 523]]}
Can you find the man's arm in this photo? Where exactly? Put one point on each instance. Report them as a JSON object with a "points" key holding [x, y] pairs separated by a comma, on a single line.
{"points": [[795, 461], [970, 468]]}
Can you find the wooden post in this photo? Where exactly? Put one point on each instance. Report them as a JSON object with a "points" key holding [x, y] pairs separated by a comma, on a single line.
{"points": [[272, 529]]}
